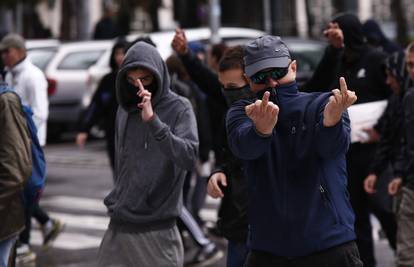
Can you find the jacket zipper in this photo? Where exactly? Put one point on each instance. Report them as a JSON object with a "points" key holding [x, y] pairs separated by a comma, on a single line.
{"points": [[328, 203]]}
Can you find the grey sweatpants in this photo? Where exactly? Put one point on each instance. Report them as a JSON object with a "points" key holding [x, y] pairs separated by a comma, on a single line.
{"points": [[156, 248], [405, 232]]}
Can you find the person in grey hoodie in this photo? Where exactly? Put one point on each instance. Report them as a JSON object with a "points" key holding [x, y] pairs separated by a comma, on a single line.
{"points": [[156, 143]]}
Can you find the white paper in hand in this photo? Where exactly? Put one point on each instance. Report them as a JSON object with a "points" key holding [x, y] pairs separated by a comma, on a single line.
{"points": [[364, 116]]}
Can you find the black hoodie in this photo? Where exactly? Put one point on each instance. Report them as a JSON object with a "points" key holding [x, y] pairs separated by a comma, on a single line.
{"points": [[358, 63], [391, 124]]}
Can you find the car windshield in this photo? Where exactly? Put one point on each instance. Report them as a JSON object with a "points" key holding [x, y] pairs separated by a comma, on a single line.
{"points": [[307, 55], [41, 57], [80, 60]]}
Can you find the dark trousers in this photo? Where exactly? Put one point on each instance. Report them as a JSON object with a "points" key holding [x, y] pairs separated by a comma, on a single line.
{"points": [[380, 204], [39, 214], [345, 255]]}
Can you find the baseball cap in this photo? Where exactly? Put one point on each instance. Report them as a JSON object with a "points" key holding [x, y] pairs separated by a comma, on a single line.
{"points": [[265, 52], [12, 40]]}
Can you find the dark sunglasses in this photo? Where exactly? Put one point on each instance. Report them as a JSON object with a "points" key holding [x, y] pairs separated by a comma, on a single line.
{"points": [[275, 74]]}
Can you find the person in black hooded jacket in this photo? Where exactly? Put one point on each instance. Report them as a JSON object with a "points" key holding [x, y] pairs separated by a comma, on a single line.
{"points": [[350, 56], [377, 38], [392, 122], [404, 184], [104, 104], [227, 180]]}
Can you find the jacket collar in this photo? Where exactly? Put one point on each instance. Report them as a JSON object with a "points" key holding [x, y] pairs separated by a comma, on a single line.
{"points": [[19, 67], [280, 91]]}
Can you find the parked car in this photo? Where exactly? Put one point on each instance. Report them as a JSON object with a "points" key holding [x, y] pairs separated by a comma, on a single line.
{"points": [[68, 70], [78, 67], [163, 42], [40, 53], [307, 52]]}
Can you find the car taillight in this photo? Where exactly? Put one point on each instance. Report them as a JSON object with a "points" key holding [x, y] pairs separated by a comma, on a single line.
{"points": [[51, 86]]}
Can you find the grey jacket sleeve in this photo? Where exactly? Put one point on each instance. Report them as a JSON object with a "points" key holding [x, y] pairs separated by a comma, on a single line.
{"points": [[181, 143]]}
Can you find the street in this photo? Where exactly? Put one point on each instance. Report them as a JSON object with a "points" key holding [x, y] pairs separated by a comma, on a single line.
{"points": [[78, 181]]}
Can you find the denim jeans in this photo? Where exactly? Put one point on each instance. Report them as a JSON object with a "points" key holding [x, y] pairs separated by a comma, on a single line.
{"points": [[5, 249], [236, 254]]}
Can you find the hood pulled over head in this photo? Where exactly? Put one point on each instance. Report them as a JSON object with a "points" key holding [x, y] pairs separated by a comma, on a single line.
{"points": [[141, 56], [351, 27]]}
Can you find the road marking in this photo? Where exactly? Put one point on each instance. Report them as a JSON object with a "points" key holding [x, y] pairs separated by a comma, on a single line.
{"points": [[68, 241], [82, 221], [74, 203], [209, 215]]}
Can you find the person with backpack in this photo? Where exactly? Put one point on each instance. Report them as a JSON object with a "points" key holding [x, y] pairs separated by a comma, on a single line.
{"points": [[15, 169], [29, 82]]}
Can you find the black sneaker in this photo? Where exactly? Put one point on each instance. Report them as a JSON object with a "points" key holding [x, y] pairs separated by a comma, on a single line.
{"points": [[206, 256]]}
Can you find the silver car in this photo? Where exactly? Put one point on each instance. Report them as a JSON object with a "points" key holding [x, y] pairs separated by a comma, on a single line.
{"points": [[68, 72]]}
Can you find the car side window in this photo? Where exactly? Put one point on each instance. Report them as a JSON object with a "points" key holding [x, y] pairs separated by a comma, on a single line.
{"points": [[79, 60], [41, 57]]}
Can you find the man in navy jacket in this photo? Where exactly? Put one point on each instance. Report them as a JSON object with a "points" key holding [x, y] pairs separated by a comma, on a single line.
{"points": [[293, 146]]}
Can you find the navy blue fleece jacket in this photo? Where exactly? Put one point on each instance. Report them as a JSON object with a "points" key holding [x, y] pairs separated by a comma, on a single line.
{"points": [[298, 200]]}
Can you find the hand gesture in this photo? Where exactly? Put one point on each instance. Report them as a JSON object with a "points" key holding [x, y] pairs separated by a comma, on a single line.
{"points": [[179, 43], [335, 35], [213, 186], [147, 113], [81, 139], [338, 103], [373, 135], [369, 184], [264, 114], [394, 186]]}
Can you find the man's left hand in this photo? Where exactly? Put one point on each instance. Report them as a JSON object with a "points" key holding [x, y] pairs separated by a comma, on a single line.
{"points": [[147, 113], [338, 103]]}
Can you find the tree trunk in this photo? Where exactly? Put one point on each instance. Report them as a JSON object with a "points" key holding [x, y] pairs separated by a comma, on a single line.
{"points": [[401, 18], [311, 20], [82, 20], [66, 27]]}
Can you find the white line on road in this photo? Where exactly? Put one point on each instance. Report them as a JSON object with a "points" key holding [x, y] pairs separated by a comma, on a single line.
{"points": [[74, 203], [82, 221], [68, 241]]}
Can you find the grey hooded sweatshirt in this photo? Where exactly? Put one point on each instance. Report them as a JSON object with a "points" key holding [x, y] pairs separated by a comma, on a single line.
{"points": [[151, 158]]}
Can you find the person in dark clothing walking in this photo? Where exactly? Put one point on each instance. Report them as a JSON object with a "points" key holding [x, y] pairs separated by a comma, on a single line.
{"points": [[350, 56], [391, 122], [293, 148], [208, 82], [228, 180], [106, 28], [104, 104], [377, 38], [404, 184], [232, 223]]}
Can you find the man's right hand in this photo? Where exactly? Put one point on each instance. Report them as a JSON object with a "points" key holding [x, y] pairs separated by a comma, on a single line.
{"points": [[264, 114], [179, 43], [335, 35], [213, 187], [369, 183]]}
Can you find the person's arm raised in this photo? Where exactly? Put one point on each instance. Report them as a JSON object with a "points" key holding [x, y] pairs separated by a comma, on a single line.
{"points": [[250, 128]]}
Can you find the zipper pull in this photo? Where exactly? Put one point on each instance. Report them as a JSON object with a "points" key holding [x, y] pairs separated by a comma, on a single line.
{"points": [[146, 145], [321, 189], [293, 130]]}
